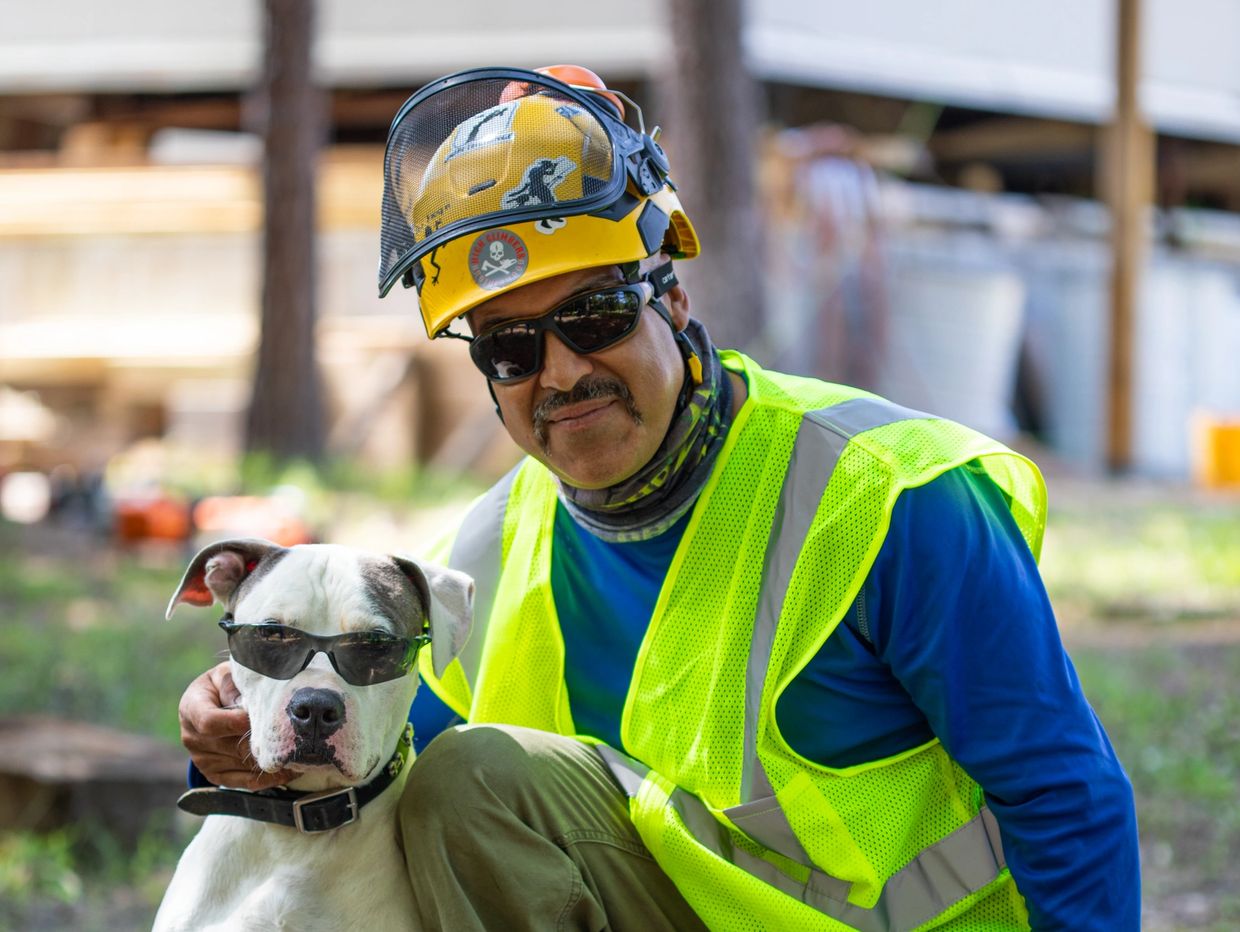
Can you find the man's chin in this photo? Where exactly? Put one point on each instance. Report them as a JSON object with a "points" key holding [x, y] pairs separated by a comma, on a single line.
{"points": [[588, 481], [586, 462]]}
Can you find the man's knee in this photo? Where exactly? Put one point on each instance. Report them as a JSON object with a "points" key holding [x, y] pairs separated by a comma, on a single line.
{"points": [[467, 771]]}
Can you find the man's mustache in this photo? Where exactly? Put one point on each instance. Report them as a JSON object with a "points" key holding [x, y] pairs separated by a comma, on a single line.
{"points": [[587, 389]]}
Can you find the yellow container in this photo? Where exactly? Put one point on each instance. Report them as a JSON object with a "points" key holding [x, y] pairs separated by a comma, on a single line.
{"points": [[1216, 450]]}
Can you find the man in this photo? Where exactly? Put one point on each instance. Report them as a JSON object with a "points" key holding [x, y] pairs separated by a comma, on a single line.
{"points": [[750, 651]]}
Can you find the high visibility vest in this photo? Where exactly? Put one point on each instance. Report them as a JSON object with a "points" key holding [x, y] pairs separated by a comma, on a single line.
{"points": [[775, 553]]}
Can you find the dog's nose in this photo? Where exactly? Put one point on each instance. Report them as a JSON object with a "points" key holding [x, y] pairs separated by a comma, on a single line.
{"points": [[315, 713]]}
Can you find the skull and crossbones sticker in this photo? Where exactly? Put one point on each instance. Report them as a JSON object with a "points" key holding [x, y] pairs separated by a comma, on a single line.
{"points": [[497, 258]]}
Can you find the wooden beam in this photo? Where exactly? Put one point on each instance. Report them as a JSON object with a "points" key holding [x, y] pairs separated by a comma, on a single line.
{"points": [[57, 201], [1016, 138], [1128, 180]]}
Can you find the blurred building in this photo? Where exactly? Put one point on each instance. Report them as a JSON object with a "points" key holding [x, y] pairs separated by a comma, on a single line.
{"points": [[937, 235]]}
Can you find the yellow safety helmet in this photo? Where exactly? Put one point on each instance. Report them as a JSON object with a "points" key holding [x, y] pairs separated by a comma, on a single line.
{"points": [[498, 177]]}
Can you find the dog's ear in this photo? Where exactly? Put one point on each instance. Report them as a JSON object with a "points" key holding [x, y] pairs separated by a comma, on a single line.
{"points": [[218, 569], [449, 599]]}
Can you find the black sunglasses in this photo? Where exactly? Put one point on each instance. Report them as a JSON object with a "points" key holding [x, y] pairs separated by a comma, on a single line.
{"points": [[362, 658], [587, 323]]}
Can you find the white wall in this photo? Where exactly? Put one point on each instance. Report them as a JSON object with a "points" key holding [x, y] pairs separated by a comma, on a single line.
{"points": [[1049, 57], [160, 45]]}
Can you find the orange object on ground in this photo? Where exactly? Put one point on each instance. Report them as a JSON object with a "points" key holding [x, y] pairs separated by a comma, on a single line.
{"points": [[138, 519], [250, 516]]}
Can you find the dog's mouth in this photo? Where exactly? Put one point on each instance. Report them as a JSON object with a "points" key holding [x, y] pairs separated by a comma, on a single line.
{"points": [[313, 755]]}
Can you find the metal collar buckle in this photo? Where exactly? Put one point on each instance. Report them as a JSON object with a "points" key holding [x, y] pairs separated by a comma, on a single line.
{"points": [[350, 802]]}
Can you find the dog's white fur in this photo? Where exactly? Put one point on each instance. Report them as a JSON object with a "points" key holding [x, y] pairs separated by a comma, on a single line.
{"points": [[240, 874]]}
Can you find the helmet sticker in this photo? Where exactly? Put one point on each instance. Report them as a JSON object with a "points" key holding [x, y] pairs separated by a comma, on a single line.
{"points": [[548, 225], [483, 129], [497, 258], [538, 186], [438, 268]]}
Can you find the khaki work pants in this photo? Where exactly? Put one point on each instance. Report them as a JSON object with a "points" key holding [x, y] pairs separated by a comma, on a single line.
{"points": [[513, 829]]}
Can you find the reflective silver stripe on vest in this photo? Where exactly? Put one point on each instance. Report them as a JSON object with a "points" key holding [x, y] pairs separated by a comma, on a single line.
{"points": [[821, 439], [960, 864], [711, 834], [945, 873], [477, 550]]}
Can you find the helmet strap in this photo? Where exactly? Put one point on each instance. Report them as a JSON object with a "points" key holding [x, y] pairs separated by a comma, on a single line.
{"points": [[663, 279], [692, 360], [491, 388]]}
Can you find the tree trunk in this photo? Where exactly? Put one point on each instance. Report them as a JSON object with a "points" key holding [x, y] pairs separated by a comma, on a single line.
{"points": [[711, 102], [286, 408]]}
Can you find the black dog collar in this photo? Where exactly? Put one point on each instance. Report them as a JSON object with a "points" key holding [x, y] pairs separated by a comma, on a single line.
{"points": [[306, 812]]}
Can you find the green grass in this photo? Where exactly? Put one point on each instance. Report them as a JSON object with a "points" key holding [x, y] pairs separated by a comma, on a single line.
{"points": [[82, 881], [1173, 713], [84, 637], [1131, 557]]}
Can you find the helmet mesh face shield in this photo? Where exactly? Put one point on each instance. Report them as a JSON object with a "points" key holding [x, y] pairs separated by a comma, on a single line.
{"points": [[492, 151], [499, 176]]}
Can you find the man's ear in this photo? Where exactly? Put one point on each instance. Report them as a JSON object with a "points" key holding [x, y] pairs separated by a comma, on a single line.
{"points": [[676, 300], [218, 569], [448, 597]]}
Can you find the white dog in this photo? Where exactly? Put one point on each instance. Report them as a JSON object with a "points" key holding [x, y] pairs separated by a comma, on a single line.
{"points": [[323, 853]]}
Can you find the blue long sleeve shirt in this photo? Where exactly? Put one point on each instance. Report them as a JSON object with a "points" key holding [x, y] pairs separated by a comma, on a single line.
{"points": [[952, 636]]}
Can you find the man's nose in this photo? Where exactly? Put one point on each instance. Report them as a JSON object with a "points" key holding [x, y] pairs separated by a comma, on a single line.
{"points": [[562, 368]]}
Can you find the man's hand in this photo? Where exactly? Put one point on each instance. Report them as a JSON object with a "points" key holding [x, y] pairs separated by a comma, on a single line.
{"points": [[216, 733]]}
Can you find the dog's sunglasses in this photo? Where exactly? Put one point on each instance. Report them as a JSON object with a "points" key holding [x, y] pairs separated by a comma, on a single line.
{"points": [[586, 323], [362, 658]]}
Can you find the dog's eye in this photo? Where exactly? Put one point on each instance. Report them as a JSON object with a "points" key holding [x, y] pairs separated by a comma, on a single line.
{"points": [[273, 633], [369, 638]]}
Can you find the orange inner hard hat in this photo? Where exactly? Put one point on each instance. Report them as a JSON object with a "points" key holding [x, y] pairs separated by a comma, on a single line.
{"points": [[572, 75]]}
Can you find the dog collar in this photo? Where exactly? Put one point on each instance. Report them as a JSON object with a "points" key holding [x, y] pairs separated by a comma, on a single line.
{"points": [[306, 812]]}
